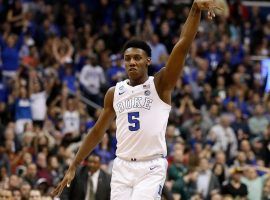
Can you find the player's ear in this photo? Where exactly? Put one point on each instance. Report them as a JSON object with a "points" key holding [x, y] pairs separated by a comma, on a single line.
{"points": [[148, 61]]}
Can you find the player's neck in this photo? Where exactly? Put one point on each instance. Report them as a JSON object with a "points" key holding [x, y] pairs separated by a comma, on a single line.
{"points": [[134, 82]]}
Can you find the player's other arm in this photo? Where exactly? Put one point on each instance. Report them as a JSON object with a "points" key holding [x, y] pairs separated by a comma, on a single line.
{"points": [[168, 76], [91, 140], [96, 134]]}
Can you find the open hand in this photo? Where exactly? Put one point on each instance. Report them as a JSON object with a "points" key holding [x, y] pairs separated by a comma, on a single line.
{"points": [[208, 5], [69, 176]]}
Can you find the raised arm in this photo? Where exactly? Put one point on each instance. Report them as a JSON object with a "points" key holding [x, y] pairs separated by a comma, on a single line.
{"points": [[166, 79], [91, 140]]}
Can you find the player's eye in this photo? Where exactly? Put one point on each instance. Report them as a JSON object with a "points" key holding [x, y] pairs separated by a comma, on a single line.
{"points": [[127, 58], [137, 57]]}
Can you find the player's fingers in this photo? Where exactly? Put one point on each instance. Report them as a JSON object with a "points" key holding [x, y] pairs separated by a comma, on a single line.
{"points": [[214, 6], [209, 15], [212, 13], [61, 190], [58, 190]]}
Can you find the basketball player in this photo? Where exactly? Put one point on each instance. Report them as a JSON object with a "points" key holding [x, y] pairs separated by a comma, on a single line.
{"points": [[141, 105]]}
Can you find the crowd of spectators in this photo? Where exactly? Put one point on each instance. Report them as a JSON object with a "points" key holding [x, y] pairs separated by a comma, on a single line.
{"points": [[56, 55]]}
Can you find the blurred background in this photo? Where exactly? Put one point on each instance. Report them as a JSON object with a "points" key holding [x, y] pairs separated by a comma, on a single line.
{"points": [[58, 58]]}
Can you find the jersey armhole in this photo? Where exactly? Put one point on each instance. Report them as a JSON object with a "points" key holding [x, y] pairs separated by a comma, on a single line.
{"points": [[115, 96], [167, 105]]}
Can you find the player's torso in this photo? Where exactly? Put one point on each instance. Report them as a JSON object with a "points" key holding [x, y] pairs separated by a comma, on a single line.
{"points": [[141, 119]]}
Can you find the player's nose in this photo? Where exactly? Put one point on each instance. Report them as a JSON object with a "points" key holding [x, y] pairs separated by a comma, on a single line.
{"points": [[132, 61]]}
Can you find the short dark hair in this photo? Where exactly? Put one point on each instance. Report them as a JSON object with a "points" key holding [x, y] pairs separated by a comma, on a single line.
{"points": [[140, 44], [93, 154]]}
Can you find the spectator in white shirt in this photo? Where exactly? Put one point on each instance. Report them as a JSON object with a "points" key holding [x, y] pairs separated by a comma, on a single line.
{"points": [[38, 98], [207, 182], [70, 115], [92, 79], [223, 137]]}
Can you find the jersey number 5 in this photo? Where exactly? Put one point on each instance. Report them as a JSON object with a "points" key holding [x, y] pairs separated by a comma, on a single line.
{"points": [[133, 119]]}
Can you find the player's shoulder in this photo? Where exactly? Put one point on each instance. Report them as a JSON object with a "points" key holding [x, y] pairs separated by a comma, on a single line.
{"points": [[109, 96], [110, 91]]}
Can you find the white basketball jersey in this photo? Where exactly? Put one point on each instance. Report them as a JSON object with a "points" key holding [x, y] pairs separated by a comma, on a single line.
{"points": [[141, 120]]}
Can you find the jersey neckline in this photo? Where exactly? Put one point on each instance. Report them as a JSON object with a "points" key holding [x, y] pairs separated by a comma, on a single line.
{"points": [[127, 81]]}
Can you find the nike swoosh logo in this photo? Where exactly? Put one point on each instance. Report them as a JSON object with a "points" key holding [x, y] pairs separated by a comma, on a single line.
{"points": [[121, 93], [151, 168]]}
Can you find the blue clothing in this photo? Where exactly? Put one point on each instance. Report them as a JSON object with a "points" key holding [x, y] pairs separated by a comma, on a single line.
{"points": [[80, 63], [190, 76], [70, 82], [240, 126], [3, 93], [105, 155], [89, 124], [23, 109], [10, 55], [240, 104], [214, 58], [237, 55], [112, 71], [113, 143]]}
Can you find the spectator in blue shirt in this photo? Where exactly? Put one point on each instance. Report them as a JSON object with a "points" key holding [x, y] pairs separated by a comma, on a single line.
{"points": [[116, 72], [10, 47]]}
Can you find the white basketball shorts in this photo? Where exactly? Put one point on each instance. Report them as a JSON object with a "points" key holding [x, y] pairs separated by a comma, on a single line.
{"points": [[138, 180]]}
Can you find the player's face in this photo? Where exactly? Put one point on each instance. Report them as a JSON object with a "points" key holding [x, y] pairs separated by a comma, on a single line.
{"points": [[136, 63]]}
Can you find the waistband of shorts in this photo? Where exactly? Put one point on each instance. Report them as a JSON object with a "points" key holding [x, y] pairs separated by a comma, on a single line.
{"points": [[149, 158]]}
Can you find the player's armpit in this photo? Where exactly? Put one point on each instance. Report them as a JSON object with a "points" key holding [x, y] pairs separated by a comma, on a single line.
{"points": [[108, 114]]}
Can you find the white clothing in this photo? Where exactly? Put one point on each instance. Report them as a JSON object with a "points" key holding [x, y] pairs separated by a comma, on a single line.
{"points": [[71, 121], [223, 138], [38, 105], [20, 125], [92, 78], [138, 180], [203, 183], [141, 120], [94, 178]]}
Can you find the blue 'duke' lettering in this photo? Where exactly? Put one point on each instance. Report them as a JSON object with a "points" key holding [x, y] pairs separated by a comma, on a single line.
{"points": [[133, 119]]}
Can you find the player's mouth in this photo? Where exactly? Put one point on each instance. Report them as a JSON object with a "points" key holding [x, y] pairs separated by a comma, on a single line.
{"points": [[132, 69]]}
